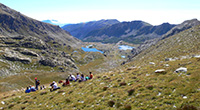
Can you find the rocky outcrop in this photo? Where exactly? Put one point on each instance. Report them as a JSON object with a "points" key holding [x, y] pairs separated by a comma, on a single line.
{"points": [[58, 61], [27, 52], [181, 27], [31, 42], [47, 62], [12, 55]]}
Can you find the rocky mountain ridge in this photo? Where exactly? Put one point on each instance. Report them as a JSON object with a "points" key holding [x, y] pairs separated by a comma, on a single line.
{"points": [[31, 44], [80, 30], [177, 29], [132, 32], [15, 24]]}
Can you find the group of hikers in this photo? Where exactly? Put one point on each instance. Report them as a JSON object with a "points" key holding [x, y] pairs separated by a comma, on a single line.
{"points": [[53, 86]]}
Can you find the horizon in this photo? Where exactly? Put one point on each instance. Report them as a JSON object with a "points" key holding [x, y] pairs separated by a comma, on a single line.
{"points": [[154, 12]]}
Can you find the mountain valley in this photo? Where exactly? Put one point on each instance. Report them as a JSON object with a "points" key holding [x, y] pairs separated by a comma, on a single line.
{"points": [[138, 66]]}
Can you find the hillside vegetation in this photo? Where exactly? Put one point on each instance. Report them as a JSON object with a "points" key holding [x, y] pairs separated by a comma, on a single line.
{"points": [[135, 86]]}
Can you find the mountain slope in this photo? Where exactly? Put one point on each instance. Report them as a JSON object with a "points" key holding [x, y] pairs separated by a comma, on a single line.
{"points": [[30, 45], [177, 29], [82, 29], [181, 27], [133, 32], [14, 24], [136, 86]]}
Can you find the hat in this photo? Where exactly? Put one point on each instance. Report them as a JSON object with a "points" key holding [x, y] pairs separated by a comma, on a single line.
{"points": [[35, 77]]}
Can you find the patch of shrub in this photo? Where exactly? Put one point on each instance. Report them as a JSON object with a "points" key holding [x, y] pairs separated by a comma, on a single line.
{"points": [[105, 88], [119, 80], [118, 104], [23, 108], [25, 102], [70, 92], [61, 91], [68, 100], [10, 106], [122, 84], [188, 107], [127, 107], [111, 103], [43, 93], [134, 77], [131, 91], [150, 87]]}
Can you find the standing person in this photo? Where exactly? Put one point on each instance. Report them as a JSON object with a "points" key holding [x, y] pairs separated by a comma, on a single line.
{"points": [[91, 75], [37, 83]]}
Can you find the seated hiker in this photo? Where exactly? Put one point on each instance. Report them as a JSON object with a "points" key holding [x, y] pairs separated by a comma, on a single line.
{"points": [[54, 86], [72, 77], [28, 90], [66, 83], [78, 76], [42, 87], [82, 77], [87, 77], [33, 89], [60, 82], [91, 75]]}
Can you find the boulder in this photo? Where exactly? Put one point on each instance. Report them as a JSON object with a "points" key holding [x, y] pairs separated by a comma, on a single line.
{"points": [[181, 69], [151, 63], [47, 62], [131, 68], [160, 71]]}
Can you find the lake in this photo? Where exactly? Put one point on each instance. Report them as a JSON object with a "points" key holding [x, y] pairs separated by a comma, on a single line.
{"points": [[125, 47], [91, 50]]}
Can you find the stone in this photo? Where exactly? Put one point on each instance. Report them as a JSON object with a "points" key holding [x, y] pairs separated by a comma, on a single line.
{"points": [[160, 71], [131, 68]]}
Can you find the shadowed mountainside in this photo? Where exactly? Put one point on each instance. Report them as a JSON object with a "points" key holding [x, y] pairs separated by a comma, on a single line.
{"points": [[15, 24], [80, 30], [27, 45], [177, 29], [132, 32]]}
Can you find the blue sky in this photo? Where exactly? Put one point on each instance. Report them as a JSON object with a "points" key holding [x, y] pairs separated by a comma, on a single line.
{"points": [[74, 11]]}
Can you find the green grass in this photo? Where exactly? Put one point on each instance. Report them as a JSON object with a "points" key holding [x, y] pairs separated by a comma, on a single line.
{"points": [[90, 94], [151, 91]]}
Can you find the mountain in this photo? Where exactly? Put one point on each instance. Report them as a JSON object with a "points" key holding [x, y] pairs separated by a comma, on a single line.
{"points": [[175, 30], [54, 22], [14, 24], [80, 30], [181, 27], [132, 32], [151, 81], [30, 45], [30, 48]]}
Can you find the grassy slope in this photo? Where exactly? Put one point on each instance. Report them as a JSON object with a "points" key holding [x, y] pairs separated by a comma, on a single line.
{"points": [[151, 90]]}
